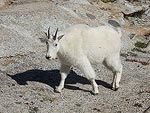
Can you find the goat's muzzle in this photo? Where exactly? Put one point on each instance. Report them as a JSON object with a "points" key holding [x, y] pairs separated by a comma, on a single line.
{"points": [[48, 57]]}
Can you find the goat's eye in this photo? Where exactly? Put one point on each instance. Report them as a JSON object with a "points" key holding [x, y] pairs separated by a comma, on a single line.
{"points": [[55, 45], [46, 43]]}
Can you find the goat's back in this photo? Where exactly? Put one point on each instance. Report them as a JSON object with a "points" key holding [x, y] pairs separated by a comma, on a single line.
{"points": [[94, 42]]}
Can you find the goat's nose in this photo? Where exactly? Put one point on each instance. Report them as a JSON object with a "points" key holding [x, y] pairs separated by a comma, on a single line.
{"points": [[48, 57]]}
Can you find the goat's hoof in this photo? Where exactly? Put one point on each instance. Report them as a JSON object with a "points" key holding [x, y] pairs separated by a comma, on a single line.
{"points": [[115, 88], [57, 90], [95, 92]]}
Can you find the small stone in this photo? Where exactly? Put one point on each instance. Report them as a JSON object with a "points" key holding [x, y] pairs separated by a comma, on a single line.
{"points": [[20, 96], [131, 35], [78, 105], [13, 84], [18, 102], [138, 105], [92, 17], [26, 103], [96, 109]]}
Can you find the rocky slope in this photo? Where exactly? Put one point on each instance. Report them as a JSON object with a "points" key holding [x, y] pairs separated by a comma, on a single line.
{"points": [[28, 80]]}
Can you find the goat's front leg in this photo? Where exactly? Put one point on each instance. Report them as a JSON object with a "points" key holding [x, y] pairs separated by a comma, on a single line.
{"points": [[87, 69], [64, 71]]}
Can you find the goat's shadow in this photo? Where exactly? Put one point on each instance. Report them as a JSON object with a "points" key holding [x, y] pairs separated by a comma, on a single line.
{"points": [[52, 78]]}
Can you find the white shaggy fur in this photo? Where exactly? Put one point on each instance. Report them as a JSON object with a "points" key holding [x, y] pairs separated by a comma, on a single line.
{"points": [[81, 46]]}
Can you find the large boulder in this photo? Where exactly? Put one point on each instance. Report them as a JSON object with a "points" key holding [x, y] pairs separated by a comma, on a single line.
{"points": [[22, 25]]}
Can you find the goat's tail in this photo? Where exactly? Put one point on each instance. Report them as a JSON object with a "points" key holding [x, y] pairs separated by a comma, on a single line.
{"points": [[116, 25]]}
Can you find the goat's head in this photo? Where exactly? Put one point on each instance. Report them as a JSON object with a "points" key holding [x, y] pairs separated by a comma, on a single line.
{"points": [[53, 45]]}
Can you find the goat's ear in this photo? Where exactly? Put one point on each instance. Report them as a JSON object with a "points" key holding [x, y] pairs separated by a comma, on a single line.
{"points": [[43, 40], [60, 37], [46, 34]]}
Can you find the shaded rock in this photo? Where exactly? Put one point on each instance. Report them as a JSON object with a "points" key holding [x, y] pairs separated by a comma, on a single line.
{"points": [[90, 16], [114, 23], [142, 1], [129, 9], [137, 105], [131, 35], [105, 1]]}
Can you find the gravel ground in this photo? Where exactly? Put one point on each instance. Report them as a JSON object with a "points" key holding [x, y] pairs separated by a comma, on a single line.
{"points": [[28, 87]]}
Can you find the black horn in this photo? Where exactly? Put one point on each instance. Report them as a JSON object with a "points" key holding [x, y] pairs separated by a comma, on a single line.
{"points": [[55, 36], [48, 33]]}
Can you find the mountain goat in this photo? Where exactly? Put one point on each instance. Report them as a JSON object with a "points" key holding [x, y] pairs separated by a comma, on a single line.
{"points": [[82, 46]]}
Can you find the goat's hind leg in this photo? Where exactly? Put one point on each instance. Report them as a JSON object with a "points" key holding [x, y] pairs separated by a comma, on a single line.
{"points": [[64, 71], [116, 80], [87, 69], [114, 64]]}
